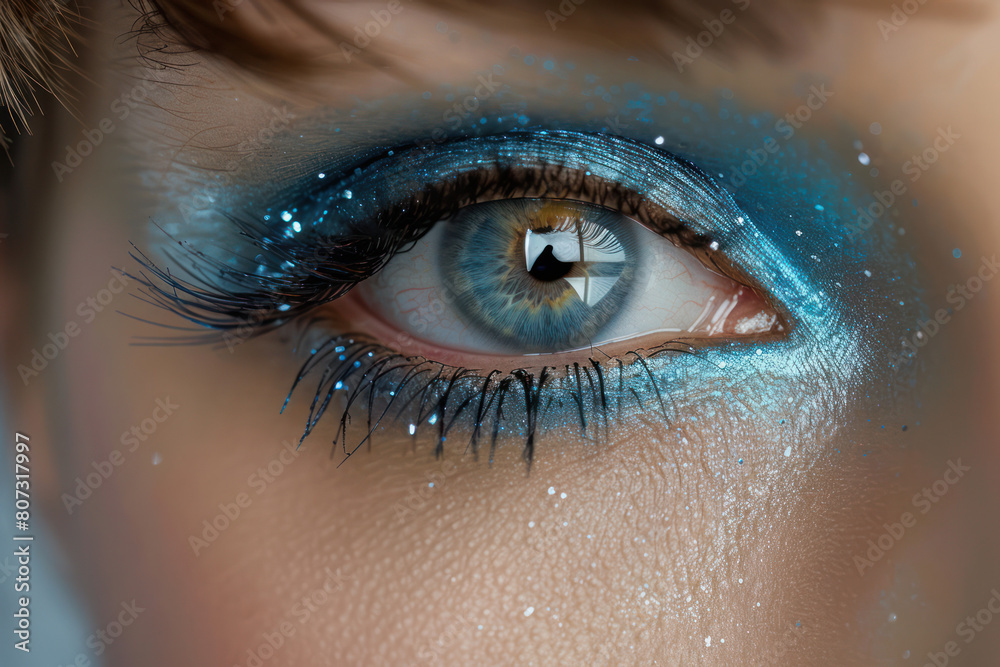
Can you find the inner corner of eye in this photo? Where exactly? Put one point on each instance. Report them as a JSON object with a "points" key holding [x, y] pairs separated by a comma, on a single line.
{"points": [[537, 276]]}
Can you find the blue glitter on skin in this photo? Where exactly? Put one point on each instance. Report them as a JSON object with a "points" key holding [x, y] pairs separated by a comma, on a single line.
{"points": [[823, 327], [843, 329]]}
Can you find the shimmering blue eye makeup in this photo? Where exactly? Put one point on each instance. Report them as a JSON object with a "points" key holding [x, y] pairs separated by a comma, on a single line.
{"points": [[571, 191], [509, 275]]}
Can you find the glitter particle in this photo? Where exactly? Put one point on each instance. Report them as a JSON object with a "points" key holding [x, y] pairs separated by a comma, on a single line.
{"points": [[529, 611]]}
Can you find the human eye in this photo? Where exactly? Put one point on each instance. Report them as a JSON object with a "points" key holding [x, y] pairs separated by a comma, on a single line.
{"points": [[488, 284], [543, 276]]}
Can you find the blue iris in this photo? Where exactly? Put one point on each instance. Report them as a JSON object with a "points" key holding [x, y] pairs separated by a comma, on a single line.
{"points": [[539, 275]]}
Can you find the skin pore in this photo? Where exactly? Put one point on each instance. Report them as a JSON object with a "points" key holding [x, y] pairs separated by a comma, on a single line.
{"points": [[719, 536]]}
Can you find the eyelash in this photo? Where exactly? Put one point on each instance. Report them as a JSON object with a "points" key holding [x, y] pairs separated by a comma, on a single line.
{"points": [[376, 372], [294, 275]]}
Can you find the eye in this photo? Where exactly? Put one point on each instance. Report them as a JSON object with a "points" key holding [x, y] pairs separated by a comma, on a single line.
{"points": [[422, 267], [526, 276]]}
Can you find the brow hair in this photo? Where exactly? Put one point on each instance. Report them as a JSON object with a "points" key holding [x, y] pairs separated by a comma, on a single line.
{"points": [[37, 53], [39, 38], [224, 27]]}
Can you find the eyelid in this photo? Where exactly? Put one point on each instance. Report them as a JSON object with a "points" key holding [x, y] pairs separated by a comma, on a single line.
{"points": [[329, 238], [395, 199], [666, 193]]}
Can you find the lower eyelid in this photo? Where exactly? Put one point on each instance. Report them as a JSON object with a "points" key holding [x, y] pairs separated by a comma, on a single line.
{"points": [[381, 387], [351, 317], [382, 341]]}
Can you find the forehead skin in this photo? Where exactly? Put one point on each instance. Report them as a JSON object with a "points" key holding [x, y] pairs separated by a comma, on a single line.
{"points": [[650, 557]]}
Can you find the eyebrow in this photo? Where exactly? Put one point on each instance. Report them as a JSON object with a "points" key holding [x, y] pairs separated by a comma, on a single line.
{"points": [[232, 29]]}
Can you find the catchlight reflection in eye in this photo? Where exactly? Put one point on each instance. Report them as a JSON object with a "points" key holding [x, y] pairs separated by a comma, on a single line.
{"points": [[522, 276]]}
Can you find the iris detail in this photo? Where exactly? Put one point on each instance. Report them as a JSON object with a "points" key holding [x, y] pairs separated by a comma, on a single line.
{"points": [[540, 275]]}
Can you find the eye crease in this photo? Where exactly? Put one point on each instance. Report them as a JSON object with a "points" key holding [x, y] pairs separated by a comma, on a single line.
{"points": [[488, 283]]}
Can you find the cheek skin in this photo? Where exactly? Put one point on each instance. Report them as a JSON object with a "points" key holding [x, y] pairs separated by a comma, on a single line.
{"points": [[652, 517], [369, 564]]}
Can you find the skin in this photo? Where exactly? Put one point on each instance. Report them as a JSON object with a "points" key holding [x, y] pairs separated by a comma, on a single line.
{"points": [[648, 564]]}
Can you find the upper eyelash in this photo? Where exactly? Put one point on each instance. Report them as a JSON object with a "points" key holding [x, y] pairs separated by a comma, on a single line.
{"points": [[295, 275]]}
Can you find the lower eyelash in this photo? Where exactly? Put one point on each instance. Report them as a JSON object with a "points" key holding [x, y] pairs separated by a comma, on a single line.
{"points": [[387, 385], [277, 277]]}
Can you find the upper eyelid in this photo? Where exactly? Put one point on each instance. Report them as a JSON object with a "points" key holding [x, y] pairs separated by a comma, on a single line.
{"points": [[672, 183], [710, 214]]}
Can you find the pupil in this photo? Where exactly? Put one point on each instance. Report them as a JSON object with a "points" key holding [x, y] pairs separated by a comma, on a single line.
{"points": [[548, 268]]}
